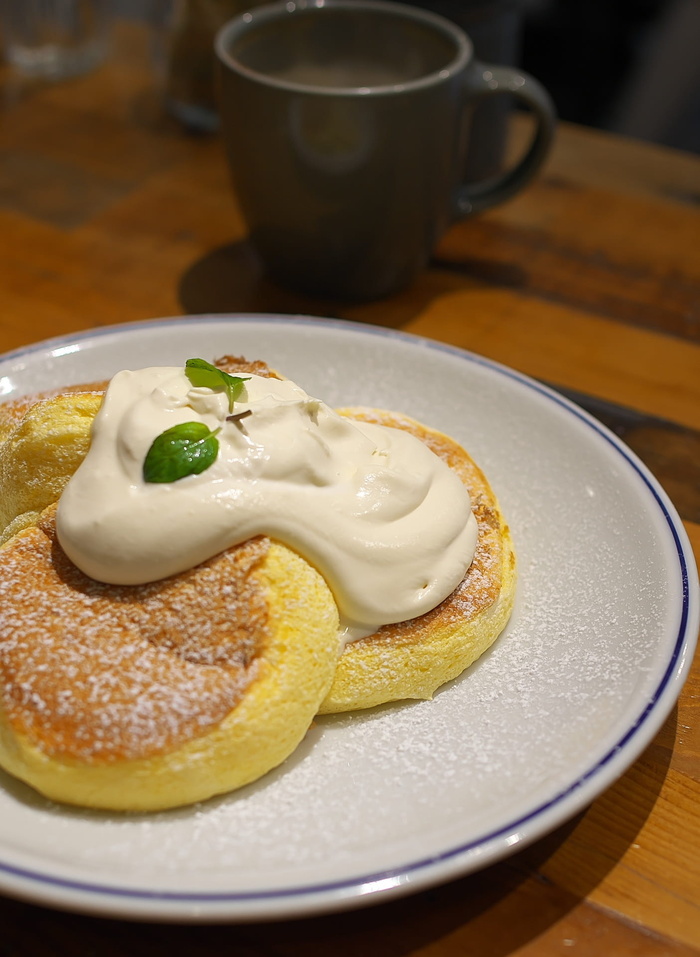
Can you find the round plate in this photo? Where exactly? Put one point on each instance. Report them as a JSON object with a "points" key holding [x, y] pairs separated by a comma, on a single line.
{"points": [[406, 796]]}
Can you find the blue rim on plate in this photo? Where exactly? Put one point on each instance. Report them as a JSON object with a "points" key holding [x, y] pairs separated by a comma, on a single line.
{"points": [[311, 897]]}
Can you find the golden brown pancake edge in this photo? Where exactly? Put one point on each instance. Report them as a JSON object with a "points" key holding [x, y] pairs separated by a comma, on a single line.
{"points": [[413, 659]]}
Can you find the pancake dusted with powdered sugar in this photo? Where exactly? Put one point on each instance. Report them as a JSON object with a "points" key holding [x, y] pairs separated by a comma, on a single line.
{"points": [[146, 696]]}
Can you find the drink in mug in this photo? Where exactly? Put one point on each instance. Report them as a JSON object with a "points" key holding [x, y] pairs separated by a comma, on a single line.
{"points": [[346, 124]]}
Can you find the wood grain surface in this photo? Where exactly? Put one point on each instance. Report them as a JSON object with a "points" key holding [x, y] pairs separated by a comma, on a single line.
{"points": [[588, 281]]}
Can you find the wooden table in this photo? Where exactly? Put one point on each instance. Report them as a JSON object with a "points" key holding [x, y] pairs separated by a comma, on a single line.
{"points": [[590, 281]]}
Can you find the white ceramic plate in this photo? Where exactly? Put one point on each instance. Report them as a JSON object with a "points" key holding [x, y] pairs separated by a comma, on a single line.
{"points": [[378, 804]]}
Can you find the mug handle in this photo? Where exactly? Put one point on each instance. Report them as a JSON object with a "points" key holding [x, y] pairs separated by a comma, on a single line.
{"points": [[483, 80]]}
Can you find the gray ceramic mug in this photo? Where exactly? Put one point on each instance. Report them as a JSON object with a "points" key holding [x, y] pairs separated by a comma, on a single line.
{"points": [[346, 124]]}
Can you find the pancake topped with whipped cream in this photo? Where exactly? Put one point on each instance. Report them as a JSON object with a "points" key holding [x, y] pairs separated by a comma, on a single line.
{"points": [[316, 561]]}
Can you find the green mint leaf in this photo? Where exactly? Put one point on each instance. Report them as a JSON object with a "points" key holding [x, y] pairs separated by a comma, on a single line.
{"points": [[204, 374], [185, 449]]}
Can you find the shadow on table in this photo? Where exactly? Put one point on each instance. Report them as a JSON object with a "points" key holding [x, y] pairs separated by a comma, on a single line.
{"points": [[491, 913], [232, 279]]}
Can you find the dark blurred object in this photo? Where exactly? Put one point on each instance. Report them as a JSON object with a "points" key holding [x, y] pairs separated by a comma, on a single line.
{"points": [[190, 86], [582, 51], [630, 66], [660, 99]]}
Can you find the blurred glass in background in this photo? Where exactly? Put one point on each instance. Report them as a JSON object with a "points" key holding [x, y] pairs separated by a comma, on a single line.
{"points": [[54, 38]]}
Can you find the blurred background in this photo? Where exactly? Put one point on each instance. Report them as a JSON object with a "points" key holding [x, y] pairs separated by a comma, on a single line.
{"points": [[629, 66]]}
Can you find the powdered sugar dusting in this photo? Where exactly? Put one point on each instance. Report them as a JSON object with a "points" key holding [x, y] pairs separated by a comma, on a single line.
{"points": [[589, 641], [100, 673], [416, 775]]}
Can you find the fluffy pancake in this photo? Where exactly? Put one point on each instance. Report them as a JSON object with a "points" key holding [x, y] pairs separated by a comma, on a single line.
{"points": [[412, 659], [45, 441], [12, 411], [148, 697], [152, 696]]}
